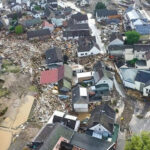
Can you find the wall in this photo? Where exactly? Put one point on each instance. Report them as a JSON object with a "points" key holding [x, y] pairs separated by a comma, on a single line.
{"points": [[145, 92], [106, 81], [129, 84], [80, 107]]}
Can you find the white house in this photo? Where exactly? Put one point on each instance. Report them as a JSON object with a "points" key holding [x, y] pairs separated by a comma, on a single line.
{"points": [[80, 99], [102, 121], [84, 76], [79, 18], [102, 76], [136, 79], [83, 3], [103, 14], [65, 119], [87, 47]]}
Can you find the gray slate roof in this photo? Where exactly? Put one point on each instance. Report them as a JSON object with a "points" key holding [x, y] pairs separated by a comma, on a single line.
{"points": [[104, 115], [38, 33], [106, 12], [51, 133], [79, 17], [54, 55], [86, 44], [32, 22], [76, 98]]}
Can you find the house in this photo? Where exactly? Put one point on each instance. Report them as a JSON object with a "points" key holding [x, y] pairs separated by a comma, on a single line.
{"points": [[117, 50], [54, 57], [52, 76], [136, 79], [85, 77], [80, 99], [102, 77], [65, 84], [16, 8], [87, 46], [53, 4], [75, 31], [57, 22], [102, 121], [116, 39], [77, 68], [65, 119], [31, 22], [103, 14], [38, 34], [47, 25], [60, 137], [83, 3], [79, 18]]}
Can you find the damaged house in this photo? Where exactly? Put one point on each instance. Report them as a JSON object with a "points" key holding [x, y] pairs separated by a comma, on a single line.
{"points": [[87, 46]]}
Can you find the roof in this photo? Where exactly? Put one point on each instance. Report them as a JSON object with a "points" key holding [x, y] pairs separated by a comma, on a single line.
{"points": [[1, 24], [141, 63], [112, 21], [79, 17], [38, 33], [50, 1], [147, 54], [51, 133], [64, 83], [52, 76], [32, 22], [47, 24], [80, 33], [143, 29], [132, 15], [68, 72], [141, 47], [99, 72], [54, 55], [78, 96], [128, 74], [78, 27], [114, 36], [67, 122], [86, 44], [89, 143], [119, 47], [143, 76], [105, 12], [104, 115]]}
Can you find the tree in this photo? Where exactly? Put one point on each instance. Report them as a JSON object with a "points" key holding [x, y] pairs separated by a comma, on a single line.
{"points": [[139, 142], [100, 5], [132, 37], [19, 29]]}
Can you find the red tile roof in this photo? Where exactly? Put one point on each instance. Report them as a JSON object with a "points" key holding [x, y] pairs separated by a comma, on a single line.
{"points": [[52, 76], [47, 24]]}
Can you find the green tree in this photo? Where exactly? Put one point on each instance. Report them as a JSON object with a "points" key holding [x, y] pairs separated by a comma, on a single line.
{"points": [[19, 29], [132, 37], [139, 142], [100, 5]]}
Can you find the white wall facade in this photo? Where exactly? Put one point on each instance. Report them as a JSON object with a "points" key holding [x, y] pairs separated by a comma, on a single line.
{"points": [[93, 51], [129, 84], [106, 81], [146, 91], [80, 107], [100, 128], [116, 42]]}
